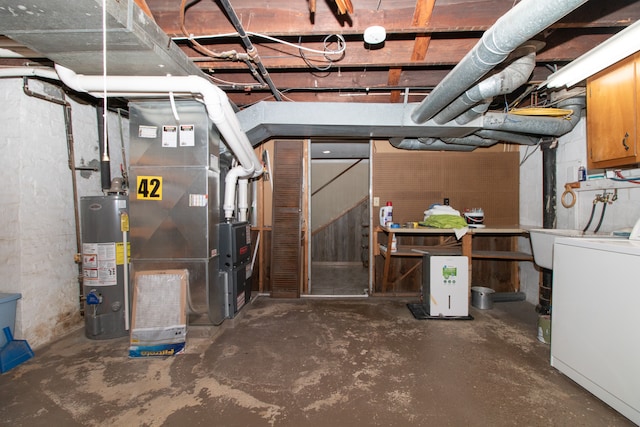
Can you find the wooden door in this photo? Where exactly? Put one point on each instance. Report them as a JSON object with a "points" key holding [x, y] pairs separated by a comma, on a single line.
{"points": [[286, 240]]}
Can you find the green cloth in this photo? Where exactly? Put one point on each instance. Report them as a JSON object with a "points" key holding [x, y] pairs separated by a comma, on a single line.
{"points": [[444, 221]]}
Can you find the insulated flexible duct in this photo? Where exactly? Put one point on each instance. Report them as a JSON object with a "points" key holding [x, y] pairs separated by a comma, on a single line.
{"points": [[506, 81], [428, 144], [535, 125], [517, 26]]}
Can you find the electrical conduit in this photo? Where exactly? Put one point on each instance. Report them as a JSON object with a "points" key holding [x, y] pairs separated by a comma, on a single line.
{"points": [[218, 108]]}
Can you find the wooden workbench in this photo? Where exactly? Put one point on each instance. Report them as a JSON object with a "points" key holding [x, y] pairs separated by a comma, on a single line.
{"points": [[448, 245]]}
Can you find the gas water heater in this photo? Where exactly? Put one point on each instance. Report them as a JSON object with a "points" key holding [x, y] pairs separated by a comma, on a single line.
{"points": [[105, 255]]}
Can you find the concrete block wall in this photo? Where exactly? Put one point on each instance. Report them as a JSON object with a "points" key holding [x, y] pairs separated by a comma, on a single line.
{"points": [[38, 239], [571, 154]]}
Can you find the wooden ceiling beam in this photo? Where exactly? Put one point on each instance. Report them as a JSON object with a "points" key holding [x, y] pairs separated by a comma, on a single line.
{"points": [[398, 53], [293, 18]]}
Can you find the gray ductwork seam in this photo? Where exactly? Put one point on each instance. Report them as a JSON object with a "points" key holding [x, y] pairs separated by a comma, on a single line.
{"points": [[515, 27], [506, 81], [473, 113], [433, 144], [535, 125], [474, 140], [515, 138]]}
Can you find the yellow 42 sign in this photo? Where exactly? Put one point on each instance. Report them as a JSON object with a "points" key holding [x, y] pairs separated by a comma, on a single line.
{"points": [[149, 187]]}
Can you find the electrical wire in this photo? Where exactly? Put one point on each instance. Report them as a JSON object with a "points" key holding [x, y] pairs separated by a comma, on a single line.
{"points": [[527, 155], [342, 44]]}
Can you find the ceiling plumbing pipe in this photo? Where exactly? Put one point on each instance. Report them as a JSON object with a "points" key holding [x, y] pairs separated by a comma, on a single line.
{"points": [[219, 111], [506, 81], [250, 48], [515, 27], [534, 125]]}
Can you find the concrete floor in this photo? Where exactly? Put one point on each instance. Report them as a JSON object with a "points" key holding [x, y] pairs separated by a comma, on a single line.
{"points": [[311, 362], [339, 279]]}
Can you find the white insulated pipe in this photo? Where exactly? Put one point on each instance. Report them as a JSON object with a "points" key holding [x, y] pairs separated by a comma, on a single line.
{"points": [[218, 108], [243, 199], [46, 73]]}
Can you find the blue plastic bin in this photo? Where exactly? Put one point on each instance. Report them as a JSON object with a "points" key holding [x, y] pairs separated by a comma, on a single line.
{"points": [[8, 304]]}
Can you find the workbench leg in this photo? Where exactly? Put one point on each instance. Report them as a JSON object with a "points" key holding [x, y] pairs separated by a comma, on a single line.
{"points": [[387, 263], [467, 246]]}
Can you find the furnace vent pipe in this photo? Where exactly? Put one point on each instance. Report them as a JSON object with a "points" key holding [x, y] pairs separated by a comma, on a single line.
{"points": [[506, 81], [515, 27], [243, 199], [45, 73], [218, 108]]}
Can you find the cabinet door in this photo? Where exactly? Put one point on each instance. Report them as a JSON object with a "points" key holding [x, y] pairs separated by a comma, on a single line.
{"points": [[611, 116]]}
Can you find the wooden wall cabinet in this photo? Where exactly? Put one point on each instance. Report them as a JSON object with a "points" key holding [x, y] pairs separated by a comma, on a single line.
{"points": [[613, 119]]}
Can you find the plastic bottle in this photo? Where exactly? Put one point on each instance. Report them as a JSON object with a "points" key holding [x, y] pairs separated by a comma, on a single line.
{"points": [[394, 244], [582, 173], [386, 215]]}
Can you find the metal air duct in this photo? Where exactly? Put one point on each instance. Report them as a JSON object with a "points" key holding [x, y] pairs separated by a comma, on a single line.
{"points": [[506, 81], [517, 26], [428, 144], [549, 126]]}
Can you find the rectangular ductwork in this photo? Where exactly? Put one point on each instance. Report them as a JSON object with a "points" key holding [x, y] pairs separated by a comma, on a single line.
{"points": [[70, 33]]}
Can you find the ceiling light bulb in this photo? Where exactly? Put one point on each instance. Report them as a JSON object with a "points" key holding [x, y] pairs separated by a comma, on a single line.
{"points": [[375, 34]]}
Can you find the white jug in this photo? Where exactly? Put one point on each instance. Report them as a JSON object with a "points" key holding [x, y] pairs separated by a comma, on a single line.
{"points": [[386, 215]]}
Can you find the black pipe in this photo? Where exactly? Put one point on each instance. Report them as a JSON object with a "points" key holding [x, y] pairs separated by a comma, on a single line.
{"points": [[604, 208], [105, 163], [251, 50], [593, 210], [549, 216]]}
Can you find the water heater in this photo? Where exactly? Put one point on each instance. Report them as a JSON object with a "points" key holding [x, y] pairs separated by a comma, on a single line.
{"points": [[103, 265]]}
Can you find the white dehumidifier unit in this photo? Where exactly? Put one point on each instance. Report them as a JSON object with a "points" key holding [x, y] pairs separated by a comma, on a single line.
{"points": [[445, 285]]}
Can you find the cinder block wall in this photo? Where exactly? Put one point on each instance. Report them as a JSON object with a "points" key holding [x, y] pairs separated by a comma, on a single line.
{"points": [[38, 235]]}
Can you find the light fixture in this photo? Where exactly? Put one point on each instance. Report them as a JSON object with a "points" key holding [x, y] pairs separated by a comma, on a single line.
{"points": [[623, 44], [326, 152], [375, 35]]}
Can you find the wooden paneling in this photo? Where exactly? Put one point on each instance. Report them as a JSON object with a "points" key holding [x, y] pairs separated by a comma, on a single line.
{"points": [[286, 247], [342, 239], [414, 180]]}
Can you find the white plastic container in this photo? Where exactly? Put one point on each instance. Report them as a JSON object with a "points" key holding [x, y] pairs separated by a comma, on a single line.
{"points": [[386, 215]]}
